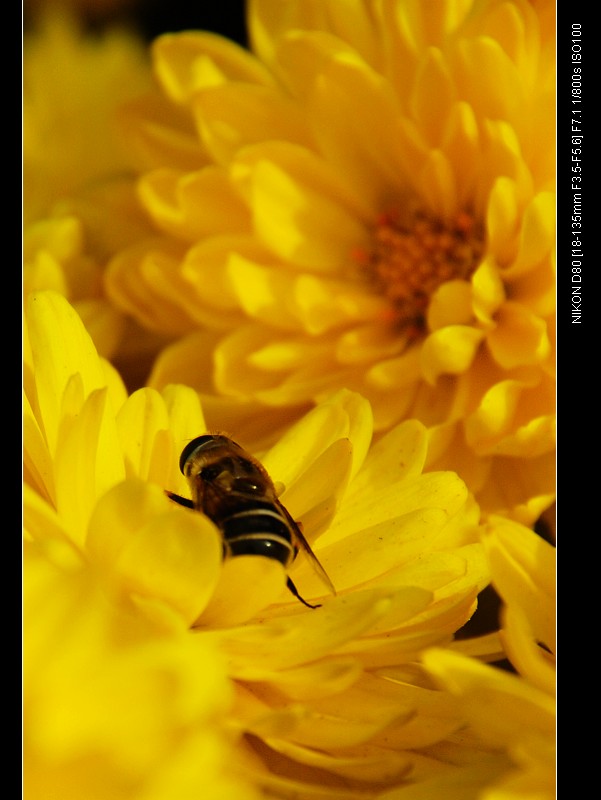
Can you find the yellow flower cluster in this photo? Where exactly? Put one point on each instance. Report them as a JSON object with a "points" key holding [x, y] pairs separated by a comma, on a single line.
{"points": [[337, 248], [369, 210]]}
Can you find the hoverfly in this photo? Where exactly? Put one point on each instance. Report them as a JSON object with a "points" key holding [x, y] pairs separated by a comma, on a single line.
{"points": [[234, 490]]}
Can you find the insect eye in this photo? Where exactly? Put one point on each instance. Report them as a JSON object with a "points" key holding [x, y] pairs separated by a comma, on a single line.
{"points": [[211, 472], [191, 448]]}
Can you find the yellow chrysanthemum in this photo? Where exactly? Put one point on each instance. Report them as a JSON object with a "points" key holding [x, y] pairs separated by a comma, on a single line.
{"points": [[73, 84], [326, 703], [116, 706], [79, 196], [514, 712], [367, 202]]}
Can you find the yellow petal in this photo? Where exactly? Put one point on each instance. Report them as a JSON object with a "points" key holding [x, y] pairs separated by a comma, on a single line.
{"points": [[38, 469], [376, 765], [246, 585], [186, 422], [391, 499], [61, 347], [302, 212], [157, 551], [105, 324], [493, 699], [437, 184], [366, 344], [537, 289], [143, 426], [519, 337], [523, 649], [206, 267], [44, 272], [522, 486], [345, 415], [314, 499], [396, 456], [305, 635], [265, 293], [489, 78], [504, 157], [432, 80], [450, 350], [233, 115], [146, 281], [248, 359], [88, 462], [369, 160], [290, 354], [298, 302], [514, 418], [398, 373], [488, 291], [189, 61], [523, 568], [189, 357], [377, 548], [454, 784], [537, 234], [357, 720], [191, 205], [444, 572], [461, 141], [158, 134], [502, 220], [42, 524], [309, 681], [451, 304]]}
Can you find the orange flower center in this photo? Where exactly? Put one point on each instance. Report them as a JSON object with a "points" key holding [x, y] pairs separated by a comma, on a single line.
{"points": [[410, 259]]}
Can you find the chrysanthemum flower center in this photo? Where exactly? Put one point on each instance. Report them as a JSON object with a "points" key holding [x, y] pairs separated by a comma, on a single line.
{"points": [[411, 257]]}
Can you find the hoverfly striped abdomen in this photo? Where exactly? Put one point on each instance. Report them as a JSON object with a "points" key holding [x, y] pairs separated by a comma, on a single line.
{"points": [[259, 531], [233, 489]]}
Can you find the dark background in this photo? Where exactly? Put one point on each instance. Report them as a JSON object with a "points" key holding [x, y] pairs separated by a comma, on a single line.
{"points": [[223, 16], [153, 17]]}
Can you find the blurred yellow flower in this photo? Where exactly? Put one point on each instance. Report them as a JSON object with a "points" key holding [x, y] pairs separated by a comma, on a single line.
{"points": [[79, 203], [515, 712], [73, 84], [366, 202], [118, 576], [116, 706]]}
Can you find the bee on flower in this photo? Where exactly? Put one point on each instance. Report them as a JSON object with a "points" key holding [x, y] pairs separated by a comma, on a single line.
{"points": [[119, 575]]}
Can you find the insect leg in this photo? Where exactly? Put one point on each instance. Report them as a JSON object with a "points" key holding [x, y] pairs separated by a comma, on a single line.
{"points": [[294, 591], [183, 501]]}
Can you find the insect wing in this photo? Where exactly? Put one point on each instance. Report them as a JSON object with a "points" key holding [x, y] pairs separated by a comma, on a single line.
{"points": [[299, 537]]}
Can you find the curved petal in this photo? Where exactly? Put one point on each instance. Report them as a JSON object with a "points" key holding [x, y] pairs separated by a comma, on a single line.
{"points": [[263, 581], [450, 350], [302, 210], [235, 115], [513, 418], [88, 462], [155, 550], [61, 348], [345, 415], [143, 429], [188, 62], [451, 304], [537, 235], [519, 338], [192, 205], [488, 291]]}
